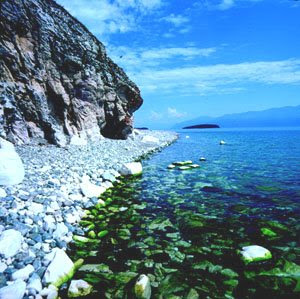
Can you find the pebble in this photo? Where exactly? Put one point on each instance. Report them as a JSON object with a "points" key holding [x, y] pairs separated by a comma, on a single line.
{"points": [[2, 193]]}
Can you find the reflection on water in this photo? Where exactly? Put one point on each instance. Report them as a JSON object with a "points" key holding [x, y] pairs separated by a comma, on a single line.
{"points": [[184, 228]]}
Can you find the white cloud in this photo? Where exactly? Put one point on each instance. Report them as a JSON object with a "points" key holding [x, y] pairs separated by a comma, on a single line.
{"points": [[221, 4], [218, 79], [173, 113], [105, 17], [135, 59], [226, 4], [155, 115], [176, 20], [167, 53]]}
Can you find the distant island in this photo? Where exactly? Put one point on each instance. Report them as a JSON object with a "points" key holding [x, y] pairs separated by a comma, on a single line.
{"points": [[142, 128], [204, 126]]}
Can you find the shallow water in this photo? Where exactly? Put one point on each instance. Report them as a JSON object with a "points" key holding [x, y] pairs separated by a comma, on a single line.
{"points": [[184, 228]]}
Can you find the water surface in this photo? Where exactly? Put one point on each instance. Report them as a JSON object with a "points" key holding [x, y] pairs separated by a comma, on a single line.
{"points": [[185, 228]]}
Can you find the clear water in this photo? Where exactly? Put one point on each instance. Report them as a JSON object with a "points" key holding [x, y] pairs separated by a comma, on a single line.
{"points": [[259, 169], [184, 228]]}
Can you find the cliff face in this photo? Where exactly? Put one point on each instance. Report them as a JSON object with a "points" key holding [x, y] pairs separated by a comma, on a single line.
{"points": [[56, 80]]}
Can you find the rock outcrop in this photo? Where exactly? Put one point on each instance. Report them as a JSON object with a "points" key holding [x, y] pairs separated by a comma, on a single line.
{"points": [[56, 80]]}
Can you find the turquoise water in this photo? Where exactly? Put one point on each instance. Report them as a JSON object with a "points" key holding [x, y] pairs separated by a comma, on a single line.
{"points": [[184, 229]]}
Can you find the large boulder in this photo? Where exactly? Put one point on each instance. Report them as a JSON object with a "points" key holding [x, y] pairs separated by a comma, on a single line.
{"points": [[89, 189], [11, 166], [133, 168], [142, 288], [60, 268], [10, 242], [56, 80], [255, 253], [15, 290]]}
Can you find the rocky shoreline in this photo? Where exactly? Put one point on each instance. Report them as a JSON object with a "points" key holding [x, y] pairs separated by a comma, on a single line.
{"points": [[40, 215]]}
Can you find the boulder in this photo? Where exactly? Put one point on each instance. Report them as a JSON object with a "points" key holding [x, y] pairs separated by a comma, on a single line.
{"points": [[133, 168], [59, 269], [79, 288], [11, 166], [23, 273], [10, 242], [255, 253], [89, 189], [142, 288], [15, 290]]}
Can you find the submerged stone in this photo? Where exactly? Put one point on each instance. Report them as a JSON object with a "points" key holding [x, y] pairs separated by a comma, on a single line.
{"points": [[283, 279], [183, 163], [184, 167], [142, 287], [194, 166], [255, 253], [79, 288], [171, 166], [95, 268], [268, 232], [192, 294]]}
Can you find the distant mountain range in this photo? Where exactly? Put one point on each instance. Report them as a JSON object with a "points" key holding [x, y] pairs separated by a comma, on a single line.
{"points": [[275, 117]]}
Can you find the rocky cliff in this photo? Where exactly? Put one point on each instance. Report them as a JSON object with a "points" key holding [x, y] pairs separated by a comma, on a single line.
{"points": [[56, 81]]}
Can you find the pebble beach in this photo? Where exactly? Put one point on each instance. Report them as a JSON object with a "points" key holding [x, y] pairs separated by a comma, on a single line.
{"points": [[40, 215]]}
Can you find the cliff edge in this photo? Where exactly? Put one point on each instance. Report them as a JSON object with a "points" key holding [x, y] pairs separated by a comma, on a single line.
{"points": [[56, 80]]}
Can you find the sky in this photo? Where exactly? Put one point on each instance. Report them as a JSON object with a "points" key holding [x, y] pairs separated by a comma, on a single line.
{"points": [[202, 57]]}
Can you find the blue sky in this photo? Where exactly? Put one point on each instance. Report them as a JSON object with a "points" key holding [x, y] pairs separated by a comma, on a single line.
{"points": [[201, 57]]}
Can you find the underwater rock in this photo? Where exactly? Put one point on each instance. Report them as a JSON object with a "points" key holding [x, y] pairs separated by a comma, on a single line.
{"points": [[79, 288], [95, 268], [270, 234], [142, 288], [133, 168], [183, 163], [283, 279], [171, 166], [194, 166], [192, 294], [255, 253], [184, 167]]}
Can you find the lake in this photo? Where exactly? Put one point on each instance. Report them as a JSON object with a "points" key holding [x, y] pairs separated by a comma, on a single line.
{"points": [[185, 228]]}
